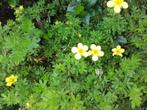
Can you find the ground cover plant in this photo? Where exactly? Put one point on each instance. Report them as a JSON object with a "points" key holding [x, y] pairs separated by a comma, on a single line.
{"points": [[73, 55]]}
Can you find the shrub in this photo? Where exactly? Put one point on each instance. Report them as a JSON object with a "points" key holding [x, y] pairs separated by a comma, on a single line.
{"points": [[36, 48]]}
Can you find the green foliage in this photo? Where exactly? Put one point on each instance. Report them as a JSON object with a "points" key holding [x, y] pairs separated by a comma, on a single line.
{"points": [[13, 3], [139, 32], [36, 47], [135, 97], [85, 9], [113, 24], [21, 39]]}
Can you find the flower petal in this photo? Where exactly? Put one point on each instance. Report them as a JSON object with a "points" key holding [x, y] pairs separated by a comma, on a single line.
{"points": [[85, 47], [80, 45], [125, 5], [114, 54], [94, 58], [93, 46], [74, 49], [122, 50], [118, 47], [77, 56], [98, 47], [120, 55], [117, 9], [86, 54], [7, 79], [9, 84], [101, 53], [89, 53], [114, 49], [110, 4]]}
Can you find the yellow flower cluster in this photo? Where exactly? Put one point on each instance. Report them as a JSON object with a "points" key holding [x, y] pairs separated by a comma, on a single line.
{"points": [[95, 51], [10, 80], [19, 10], [117, 4]]}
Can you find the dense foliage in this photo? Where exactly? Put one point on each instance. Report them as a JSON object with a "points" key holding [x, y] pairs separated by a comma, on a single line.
{"points": [[39, 72]]}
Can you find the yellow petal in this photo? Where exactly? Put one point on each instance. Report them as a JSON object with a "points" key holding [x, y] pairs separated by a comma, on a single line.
{"points": [[114, 49], [120, 55], [125, 5], [7, 79], [122, 50], [114, 54], [15, 79], [117, 9], [110, 4], [9, 84], [118, 47]]}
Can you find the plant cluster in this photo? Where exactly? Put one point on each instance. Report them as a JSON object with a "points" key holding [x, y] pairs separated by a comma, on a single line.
{"points": [[39, 60]]}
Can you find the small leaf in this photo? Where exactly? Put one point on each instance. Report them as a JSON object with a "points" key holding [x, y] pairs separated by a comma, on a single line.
{"points": [[79, 9]]}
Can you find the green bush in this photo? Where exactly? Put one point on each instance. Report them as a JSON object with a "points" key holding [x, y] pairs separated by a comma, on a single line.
{"points": [[39, 72]]}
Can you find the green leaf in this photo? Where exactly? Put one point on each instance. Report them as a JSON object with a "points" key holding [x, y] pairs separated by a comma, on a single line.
{"points": [[130, 64], [135, 97], [79, 9]]}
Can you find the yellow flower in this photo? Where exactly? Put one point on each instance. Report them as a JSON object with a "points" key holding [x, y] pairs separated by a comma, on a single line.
{"points": [[117, 4], [80, 50], [10, 80], [118, 51], [96, 52]]}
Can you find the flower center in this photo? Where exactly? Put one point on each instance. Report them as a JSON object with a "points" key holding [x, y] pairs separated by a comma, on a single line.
{"points": [[80, 51], [118, 2], [12, 80], [95, 52], [118, 51]]}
